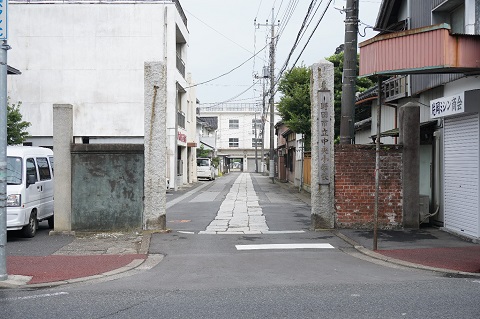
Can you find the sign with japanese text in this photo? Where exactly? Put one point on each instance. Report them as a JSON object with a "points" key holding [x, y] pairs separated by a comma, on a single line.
{"points": [[325, 137], [449, 105], [182, 137], [3, 19]]}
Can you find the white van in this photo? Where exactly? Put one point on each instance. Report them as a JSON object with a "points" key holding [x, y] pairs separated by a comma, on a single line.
{"points": [[205, 169], [29, 188]]}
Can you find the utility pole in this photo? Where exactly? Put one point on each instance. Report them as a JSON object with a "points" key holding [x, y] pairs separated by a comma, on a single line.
{"points": [[272, 96], [256, 139], [263, 126], [347, 121], [272, 93], [264, 76]]}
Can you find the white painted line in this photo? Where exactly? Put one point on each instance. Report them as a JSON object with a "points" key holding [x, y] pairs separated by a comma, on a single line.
{"points": [[284, 246], [186, 232], [36, 296]]}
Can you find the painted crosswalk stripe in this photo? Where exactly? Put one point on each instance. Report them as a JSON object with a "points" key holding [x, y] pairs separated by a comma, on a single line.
{"points": [[283, 246]]}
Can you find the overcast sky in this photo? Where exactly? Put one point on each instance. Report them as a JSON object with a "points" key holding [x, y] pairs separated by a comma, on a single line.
{"points": [[223, 36]]}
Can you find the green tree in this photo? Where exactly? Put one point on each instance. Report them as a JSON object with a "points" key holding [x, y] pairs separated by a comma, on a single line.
{"points": [[202, 152], [294, 106], [362, 84], [16, 128]]}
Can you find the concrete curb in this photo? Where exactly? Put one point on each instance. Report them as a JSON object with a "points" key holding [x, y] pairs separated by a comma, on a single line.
{"points": [[137, 265], [372, 254]]}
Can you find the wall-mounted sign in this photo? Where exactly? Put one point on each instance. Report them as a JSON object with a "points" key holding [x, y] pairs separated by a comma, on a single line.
{"points": [[3, 19], [324, 132], [182, 137], [448, 105]]}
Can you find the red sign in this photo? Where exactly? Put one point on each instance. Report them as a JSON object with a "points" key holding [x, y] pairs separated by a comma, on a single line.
{"points": [[182, 137]]}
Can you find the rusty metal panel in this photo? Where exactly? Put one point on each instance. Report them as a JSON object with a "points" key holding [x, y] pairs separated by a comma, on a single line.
{"points": [[424, 50]]}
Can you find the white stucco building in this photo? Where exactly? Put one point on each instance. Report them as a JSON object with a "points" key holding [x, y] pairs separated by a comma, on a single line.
{"points": [[239, 130], [91, 54]]}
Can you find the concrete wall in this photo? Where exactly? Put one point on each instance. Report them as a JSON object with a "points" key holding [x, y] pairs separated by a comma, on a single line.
{"points": [[355, 186], [87, 55], [107, 187]]}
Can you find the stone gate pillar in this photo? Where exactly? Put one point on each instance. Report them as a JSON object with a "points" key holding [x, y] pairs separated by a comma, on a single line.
{"points": [[155, 129], [62, 139], [322, 172]]}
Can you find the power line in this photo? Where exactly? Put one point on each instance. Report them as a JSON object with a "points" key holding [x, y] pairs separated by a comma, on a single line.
{"points": [[279, 8], [217, 77], [299, 35], [287, 16], [219, 32], [309, 38], [315, 29], [258, 10]]}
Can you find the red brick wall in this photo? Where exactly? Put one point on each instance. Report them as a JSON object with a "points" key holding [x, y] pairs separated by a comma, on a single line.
{"points": [[355, 186]]}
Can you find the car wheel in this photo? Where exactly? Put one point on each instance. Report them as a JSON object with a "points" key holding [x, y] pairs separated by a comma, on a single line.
{"points": [[51, 222], [30, 229]]}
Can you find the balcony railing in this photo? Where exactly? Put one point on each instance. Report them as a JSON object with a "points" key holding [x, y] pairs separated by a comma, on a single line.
{"points": [[180, 65]]}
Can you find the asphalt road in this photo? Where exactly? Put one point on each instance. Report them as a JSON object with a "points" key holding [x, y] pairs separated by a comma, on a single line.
{"points": [[227, 276]]}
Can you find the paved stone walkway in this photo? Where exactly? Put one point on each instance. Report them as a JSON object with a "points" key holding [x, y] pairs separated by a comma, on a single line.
{"points": [[240, 212]]}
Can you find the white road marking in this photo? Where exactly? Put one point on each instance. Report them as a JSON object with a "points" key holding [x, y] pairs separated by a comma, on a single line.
{"points": [[186, 232], [284, 246], [35, 296]]}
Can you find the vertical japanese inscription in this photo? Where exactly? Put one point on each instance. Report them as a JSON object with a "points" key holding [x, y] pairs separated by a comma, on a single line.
{"points": [[325, 137]]}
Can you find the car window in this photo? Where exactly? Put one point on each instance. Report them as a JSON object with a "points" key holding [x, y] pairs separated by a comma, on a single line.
{"points": [[43, 168], [202, 162], [14, 170], [32, 168]]}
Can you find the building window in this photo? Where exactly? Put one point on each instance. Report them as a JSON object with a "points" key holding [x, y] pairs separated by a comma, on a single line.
{"points": [[258, 125], [256, 142], [233, 124], [233, 142]]}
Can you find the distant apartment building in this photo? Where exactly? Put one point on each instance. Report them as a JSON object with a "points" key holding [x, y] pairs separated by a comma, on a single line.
{"points": [[242, 129], [91, 54]]}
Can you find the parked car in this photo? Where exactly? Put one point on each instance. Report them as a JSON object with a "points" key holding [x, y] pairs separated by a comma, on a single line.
{"points": [[29, 188], [205, 168]]}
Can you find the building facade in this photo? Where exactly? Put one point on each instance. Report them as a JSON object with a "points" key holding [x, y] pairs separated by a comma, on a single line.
{"points": [[243, 134], [430, 56], [91, 54]]}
